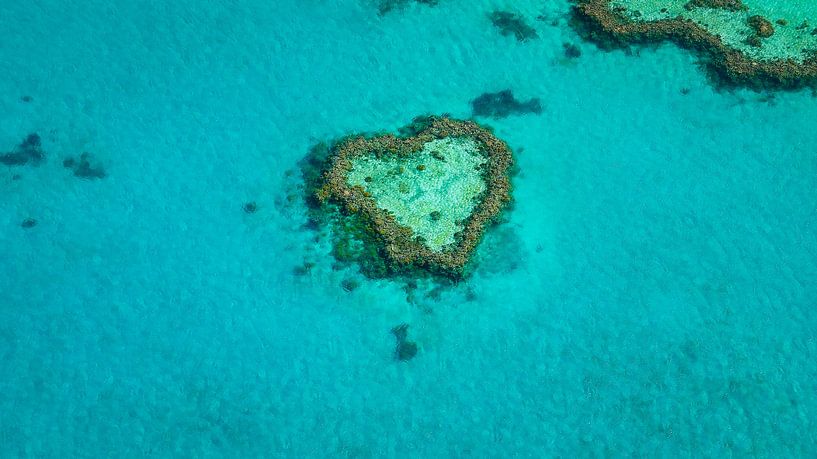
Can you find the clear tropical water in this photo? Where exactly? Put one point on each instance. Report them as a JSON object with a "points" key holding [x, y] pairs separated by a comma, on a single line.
{"points": [[652, 292]]}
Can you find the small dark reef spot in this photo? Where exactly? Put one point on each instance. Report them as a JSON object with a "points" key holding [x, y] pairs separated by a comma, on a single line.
{"points": [[28, 151], [29, 223], [571, 51], [304, 269], [349, 285], [512, 24], [26, 99], [250, 207], [83, 168], [405, 349], [729, 5], [502, 104], [386, 6]]}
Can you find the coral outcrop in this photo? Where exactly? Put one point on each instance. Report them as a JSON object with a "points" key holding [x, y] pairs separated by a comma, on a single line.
{"points": [[421, 200]]}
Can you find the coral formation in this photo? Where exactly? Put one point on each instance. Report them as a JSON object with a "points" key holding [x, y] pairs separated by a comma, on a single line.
{"points": [[82, 168], [406, 217], [749, 61], [349, 285], [729, 5], [512, 24], [29, 151], [250, 207], [502, 104], [404, 349], [385, 6], [763, 27], [571, 51]]}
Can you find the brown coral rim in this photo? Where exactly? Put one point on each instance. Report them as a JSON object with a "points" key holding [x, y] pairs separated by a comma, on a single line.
{"points": [[608, 26], [399, 245]]}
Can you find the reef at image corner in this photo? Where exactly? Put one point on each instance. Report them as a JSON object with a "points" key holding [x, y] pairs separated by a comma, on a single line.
{"points": [[413, 203], [743, 48]]}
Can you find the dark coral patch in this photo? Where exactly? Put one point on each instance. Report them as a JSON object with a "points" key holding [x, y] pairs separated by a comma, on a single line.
{"points": [[250, 207], [385, 6], [83, 168], [304, 268], [571, 50], [502, 104], [28, 151], [349, 285], [763, 27], [404, 349], [729, 5], [512, 24]]}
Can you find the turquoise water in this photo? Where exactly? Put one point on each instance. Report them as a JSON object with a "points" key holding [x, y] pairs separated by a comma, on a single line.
{"points": [[651, 293]]}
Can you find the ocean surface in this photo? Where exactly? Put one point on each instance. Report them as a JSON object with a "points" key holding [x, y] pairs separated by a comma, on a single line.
{"points": [[651, 293]]}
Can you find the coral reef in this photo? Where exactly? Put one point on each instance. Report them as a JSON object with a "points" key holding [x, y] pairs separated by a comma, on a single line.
{"points": [[611, 25], [512, 24], [29, 151], [349, 285], [729, 5], [404, 349], [83, 169], [389, 224], [385, 6], [250, 207], [502, 104], [763, 27], [571, 50]]}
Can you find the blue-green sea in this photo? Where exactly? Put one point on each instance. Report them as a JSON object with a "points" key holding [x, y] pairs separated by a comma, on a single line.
{"points": [[652, 292]]}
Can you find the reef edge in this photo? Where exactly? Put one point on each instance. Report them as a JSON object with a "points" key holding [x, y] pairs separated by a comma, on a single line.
{"points": [[398, 245], [604, 25]]}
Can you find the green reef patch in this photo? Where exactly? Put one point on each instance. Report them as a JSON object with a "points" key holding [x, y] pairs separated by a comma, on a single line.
{"points": [[752, 43], [420, 200], [431, 192]]}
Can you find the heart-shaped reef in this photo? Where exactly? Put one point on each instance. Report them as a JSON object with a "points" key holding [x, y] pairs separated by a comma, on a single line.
{"points": [[423, 198]]}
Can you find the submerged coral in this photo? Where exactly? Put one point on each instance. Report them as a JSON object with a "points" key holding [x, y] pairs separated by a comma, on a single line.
{"points": [[404, 349], [250, 207], [397, 216], [83, 169], [502, 104], [730, 5], [28, 151], [512, 24], [385, 6]]}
